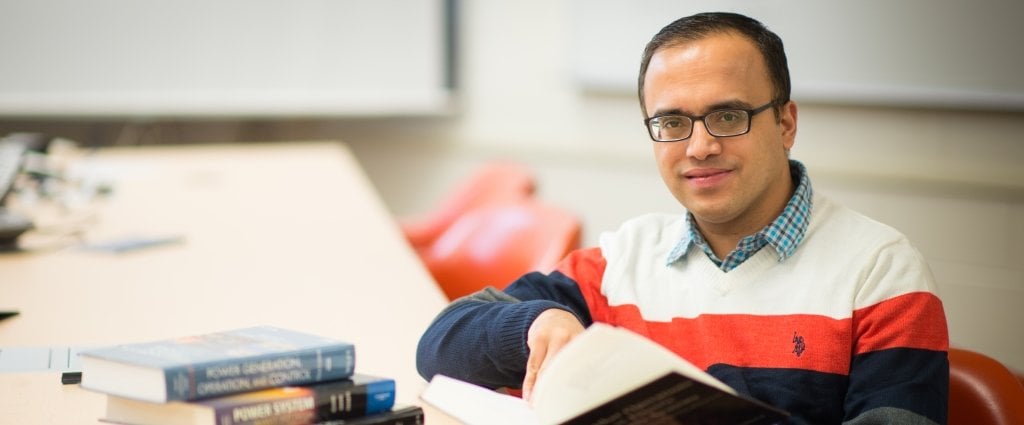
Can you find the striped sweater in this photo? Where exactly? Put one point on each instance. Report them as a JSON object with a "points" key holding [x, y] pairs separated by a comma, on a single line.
{"points": [[848, 329]]}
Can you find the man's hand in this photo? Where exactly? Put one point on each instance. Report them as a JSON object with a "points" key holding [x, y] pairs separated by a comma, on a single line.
{"points": [[547, 335]]}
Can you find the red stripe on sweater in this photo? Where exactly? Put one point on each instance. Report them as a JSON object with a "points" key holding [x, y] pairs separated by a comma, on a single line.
{"points": [[914, 320], [797, 341], [586, 268]]}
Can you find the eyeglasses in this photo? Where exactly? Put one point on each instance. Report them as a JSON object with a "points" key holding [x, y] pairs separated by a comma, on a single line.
{"points": [[720, 123]]}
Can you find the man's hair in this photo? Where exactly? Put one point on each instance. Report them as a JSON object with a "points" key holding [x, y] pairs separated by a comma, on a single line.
{"points": [[699, 26]]}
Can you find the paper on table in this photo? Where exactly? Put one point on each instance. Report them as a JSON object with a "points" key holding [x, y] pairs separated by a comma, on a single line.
{"points": [[39, 359]]}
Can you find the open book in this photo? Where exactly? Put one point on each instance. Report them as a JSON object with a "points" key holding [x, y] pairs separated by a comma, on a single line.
{"points": [[610, 376]]}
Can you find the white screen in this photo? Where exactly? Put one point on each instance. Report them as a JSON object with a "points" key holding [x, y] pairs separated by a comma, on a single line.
{"points": [[932, 53], [222, 57]]}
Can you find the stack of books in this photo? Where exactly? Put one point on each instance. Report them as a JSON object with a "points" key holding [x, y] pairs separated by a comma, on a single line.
{"points": [[252, 376]]}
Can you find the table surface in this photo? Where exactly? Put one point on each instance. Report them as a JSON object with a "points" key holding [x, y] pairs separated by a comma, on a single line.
{"points": [[291, 235]]}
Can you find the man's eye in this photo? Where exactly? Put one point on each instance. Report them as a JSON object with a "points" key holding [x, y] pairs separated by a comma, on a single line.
{"points": [[671, 123], [729, 116]]}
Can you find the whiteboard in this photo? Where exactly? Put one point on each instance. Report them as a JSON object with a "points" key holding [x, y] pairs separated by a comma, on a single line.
{"points": [[922, 53], [222, 57]]}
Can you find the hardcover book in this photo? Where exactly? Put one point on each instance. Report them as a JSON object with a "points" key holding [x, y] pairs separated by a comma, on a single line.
{"points": [[357, 397], [215, 364], [610, 376]]}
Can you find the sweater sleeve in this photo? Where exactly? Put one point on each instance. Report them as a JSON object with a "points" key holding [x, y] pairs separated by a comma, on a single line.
{"points": [[481, 338]]}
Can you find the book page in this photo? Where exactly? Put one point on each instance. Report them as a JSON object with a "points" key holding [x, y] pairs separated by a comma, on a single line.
{"points": [[601, 363], [475, 405]]}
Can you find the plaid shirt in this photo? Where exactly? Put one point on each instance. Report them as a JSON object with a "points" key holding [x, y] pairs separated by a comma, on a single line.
{"points": [[784, 234]]}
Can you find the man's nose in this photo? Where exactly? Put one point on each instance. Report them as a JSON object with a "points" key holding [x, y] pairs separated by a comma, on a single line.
{"points": [[702, 144]]}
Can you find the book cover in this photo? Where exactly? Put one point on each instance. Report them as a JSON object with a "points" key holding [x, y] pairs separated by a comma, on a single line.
{"points": [[357, 397], [400, 415], [610, 376], [215, 364]]}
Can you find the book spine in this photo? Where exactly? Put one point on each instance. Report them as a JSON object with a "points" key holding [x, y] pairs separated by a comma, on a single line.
{"points": [[313, 404], [340, 402], [225, 377]]}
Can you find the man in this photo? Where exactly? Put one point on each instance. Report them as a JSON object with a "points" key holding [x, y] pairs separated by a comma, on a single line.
{"points": [[771, 288]]}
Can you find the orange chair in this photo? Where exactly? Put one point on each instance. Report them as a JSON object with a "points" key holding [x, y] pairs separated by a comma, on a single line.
{"points": [[983, 391], [494, 183], [494, 245]]}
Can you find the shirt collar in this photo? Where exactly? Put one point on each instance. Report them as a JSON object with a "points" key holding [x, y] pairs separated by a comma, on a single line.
{"points": [[784, 234]]}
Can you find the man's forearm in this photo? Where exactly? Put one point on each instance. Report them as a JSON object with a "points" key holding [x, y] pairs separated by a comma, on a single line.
{"points": [[481, 338]]}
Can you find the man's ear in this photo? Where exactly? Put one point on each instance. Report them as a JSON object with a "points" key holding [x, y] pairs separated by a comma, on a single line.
{"points": [[787, 123]]}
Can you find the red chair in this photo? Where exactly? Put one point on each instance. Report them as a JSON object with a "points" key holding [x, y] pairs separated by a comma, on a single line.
{"points": [[494, 245], [496, 182], [983, 391]]}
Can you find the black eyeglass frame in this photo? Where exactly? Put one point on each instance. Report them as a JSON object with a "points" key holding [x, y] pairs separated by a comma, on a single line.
{"points": [[693, 120]]}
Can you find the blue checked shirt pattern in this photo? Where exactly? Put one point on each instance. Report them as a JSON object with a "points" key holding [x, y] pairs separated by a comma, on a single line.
{"points": [[784, 234]]}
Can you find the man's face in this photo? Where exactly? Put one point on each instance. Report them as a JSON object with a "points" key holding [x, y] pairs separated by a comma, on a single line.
{"points": [[737, 183]]}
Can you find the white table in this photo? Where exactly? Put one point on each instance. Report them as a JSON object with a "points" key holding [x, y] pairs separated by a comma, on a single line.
{"points": [[290, 234]]}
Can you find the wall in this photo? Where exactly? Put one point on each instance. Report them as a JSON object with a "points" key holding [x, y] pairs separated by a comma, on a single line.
{"points": [[951, 180]]}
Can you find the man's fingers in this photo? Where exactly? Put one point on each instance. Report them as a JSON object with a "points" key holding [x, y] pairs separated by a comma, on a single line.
{"points": [[533, 365], [548, 333], [539, 360], [528, 385], [551, 350]]}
